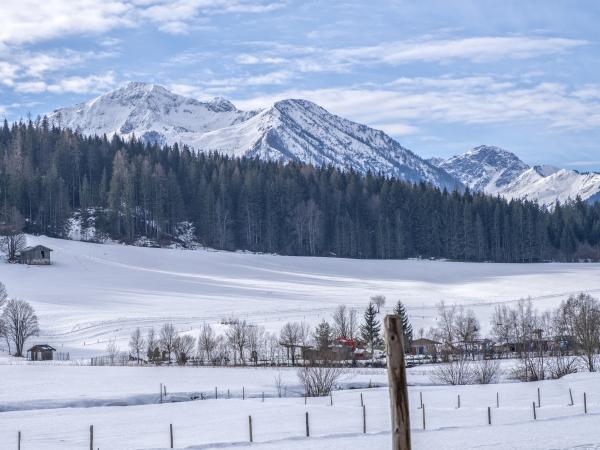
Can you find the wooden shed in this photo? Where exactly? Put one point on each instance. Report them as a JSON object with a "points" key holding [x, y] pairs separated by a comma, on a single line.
{"points": [[35, 255], [41, 352]]}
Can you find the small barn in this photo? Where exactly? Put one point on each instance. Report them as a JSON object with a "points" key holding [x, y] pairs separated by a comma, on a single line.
{"points": [[35, 255], [41, 352]]}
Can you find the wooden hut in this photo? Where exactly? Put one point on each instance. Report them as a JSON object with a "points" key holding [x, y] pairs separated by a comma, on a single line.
{"points": [[41, 352], [35, 255]]}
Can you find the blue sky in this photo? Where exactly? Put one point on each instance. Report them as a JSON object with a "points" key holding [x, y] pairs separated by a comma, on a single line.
{"points": [[439, 76]]}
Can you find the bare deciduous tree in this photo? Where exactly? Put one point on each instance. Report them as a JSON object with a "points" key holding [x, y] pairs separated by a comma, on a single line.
{"points": [[12, 239], [207, 342], [292, 336], [379, 301], [579, 317], [183, 346], [237, 337], [167, 339], [486, 371], [151, 344], [19, 323], [136, 343]]}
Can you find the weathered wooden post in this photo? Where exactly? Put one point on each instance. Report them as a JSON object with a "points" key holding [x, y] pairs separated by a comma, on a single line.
{"points": [[362, 403], [330, 398], [571, 395], [171, 432], [421, 400], [19, 441], [250, 427], [489, 415], [394, 343], [585, 403], [539, 399], [534, 413], [458, 402], [497, 400], [91, 437], [364, 419], [165, 389], [307, 426], [423, 413]]}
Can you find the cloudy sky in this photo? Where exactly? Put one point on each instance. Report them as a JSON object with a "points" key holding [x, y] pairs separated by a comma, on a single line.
{"points": [[439, 76]]}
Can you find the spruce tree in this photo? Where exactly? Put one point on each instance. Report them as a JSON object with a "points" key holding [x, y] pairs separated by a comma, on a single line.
{"points": [[407, 329], [323, 335], [370, 330]]}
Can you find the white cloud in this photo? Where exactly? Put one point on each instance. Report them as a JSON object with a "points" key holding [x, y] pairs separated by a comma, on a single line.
{"points": [[474, 49], [409, 103], [75, 84], [23, 21]]}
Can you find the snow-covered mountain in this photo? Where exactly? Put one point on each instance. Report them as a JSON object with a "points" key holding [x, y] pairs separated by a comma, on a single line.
{"points": [[288, 130], [497, 171], [485, 168]]}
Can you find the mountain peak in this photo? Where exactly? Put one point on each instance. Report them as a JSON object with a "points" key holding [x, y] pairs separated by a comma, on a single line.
{"points": [[485, 168]]}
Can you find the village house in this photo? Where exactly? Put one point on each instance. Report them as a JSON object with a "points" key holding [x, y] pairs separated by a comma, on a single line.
{"points": [[424, 346]]}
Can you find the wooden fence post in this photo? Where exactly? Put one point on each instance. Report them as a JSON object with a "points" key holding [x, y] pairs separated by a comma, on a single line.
{"points": [[243, 393], [216, 393], [585, 403], [362, 403], [91, 437], [171, 432], [250, 427], [161, 393], [489, 415], [19, 441], [394, 344], [539, 399], [571, 395], [165, 389], [497, 400], [330, 398], [364, 419], [421, 400], [534, 413], [307, 426], [458, 402], [423, 413]]}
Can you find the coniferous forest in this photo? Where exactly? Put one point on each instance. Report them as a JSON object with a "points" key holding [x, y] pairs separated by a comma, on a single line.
{"points": [[136, 190]]}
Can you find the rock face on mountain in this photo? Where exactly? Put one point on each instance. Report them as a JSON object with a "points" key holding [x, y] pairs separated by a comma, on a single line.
{"points": [[485, 168], [289, 130], [497, 171]]}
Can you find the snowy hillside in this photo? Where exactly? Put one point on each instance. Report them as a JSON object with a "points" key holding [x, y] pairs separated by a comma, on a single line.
{"points": [[289, 130], [112, 289], [497, 171]]}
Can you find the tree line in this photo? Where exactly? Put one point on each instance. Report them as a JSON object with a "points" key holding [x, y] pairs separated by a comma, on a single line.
{"points": [[547, 344], [127, 190], [241, 342]]}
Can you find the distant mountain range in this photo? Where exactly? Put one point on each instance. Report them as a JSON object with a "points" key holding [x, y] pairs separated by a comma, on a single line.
{"points": [[303, 131], [500, 172], [289, 130]]}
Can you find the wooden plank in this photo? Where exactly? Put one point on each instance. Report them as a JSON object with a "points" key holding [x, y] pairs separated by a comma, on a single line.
{"points": [[394, 342]]}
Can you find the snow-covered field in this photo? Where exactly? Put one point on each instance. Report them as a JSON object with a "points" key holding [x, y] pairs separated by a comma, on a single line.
{"points": [[279, 423], [94, 293]]}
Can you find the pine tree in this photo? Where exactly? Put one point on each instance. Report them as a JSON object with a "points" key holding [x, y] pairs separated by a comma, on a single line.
{"points": [[407, 329], [370, 330], [323, 335]]}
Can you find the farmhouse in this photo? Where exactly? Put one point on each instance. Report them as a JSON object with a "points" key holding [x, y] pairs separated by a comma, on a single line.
{"points": [[35, 255], [425, 346], [41, 352]]}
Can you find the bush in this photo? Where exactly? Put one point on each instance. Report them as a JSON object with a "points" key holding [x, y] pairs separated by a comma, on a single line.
{"points": [[318, 381], [455, 372], [486, 371]]}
